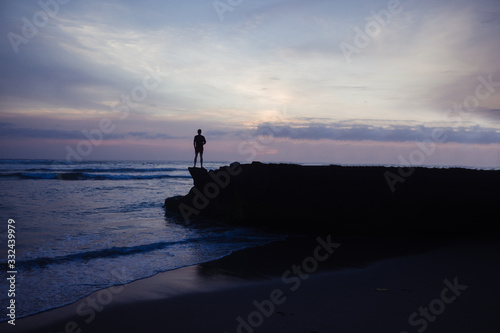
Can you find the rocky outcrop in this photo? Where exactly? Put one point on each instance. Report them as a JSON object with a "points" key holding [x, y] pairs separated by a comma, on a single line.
{"points": [[353, 199]]}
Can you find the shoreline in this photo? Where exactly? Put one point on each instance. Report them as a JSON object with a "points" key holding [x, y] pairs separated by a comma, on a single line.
{"points": [[219, 292]]}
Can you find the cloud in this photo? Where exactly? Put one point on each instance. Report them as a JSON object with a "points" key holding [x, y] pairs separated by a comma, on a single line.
{"points": [[283, 126], [13, 132], [389, 133], [226, 77], [145, 136], [93, 52]]}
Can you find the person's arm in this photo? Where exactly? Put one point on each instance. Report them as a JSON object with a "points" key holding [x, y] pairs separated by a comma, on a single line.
{"points": [[194, 142], [204, 141]]}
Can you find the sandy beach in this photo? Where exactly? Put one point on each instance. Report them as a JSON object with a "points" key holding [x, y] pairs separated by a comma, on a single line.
{"points": [[320, 284]]}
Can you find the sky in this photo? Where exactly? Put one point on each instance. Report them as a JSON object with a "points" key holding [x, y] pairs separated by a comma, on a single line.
{"points": [[410, 82]]}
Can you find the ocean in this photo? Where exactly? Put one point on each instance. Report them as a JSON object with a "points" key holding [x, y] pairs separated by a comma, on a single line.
{"points": [[84, 226]]}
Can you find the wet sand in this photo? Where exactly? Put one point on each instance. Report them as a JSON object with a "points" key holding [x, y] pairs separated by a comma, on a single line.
{"points": [[304, 284]]}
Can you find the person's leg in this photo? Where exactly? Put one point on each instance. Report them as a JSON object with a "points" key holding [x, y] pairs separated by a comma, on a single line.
{"points": [[195, 157], [201, 159]]}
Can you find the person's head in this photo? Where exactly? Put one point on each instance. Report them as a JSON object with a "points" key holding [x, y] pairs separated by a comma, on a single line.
{"points": [[199, 131]]}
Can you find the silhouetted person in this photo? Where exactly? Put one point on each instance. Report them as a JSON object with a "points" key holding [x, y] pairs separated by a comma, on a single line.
{"points": [[198, 142]]}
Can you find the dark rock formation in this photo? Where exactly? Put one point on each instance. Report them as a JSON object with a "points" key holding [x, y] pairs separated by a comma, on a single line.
{"points": [[355, 199]]}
